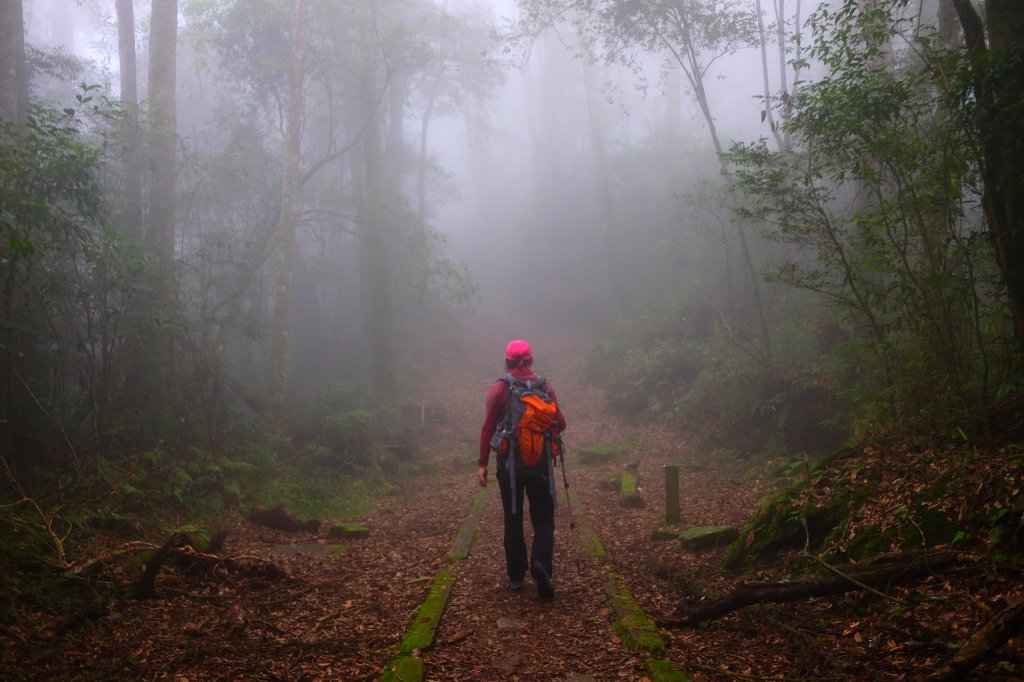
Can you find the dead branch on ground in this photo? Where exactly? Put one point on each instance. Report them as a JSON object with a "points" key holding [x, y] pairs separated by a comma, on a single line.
{"points": [[849, 578]]}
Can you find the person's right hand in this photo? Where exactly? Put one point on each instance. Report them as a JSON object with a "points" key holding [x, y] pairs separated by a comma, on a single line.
{"points": [[481, 476]]}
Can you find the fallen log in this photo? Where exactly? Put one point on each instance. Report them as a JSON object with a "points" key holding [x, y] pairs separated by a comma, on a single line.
{"points": [[982, 644], [848, 578], [281, 518]]}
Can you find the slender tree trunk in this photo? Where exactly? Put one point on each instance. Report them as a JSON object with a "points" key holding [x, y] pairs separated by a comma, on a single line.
{"points": [[394, 149], [130, 219], [766, 113], [13, 77], [428, 112], [163, 133], [421, 168], [281, 332], [153, 370]]}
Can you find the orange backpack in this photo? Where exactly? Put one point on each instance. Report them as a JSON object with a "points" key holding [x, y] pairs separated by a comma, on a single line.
{"points": [[528, 428]]}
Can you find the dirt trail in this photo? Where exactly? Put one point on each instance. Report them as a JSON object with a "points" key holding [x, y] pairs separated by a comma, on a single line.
{"points": [[489, 632], [344, 608]]}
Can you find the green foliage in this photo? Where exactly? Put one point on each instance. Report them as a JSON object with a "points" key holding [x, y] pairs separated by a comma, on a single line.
{"points": [[63, 271], [680, 364], [350, 429], [877, 201], [864, 503], [624, 32]]}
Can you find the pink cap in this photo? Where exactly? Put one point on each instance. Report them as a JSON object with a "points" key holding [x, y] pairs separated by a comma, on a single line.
{"points": [[518, 349]]}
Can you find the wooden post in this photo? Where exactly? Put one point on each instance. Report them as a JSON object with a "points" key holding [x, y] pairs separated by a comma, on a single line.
{"points": [[671, 493]]}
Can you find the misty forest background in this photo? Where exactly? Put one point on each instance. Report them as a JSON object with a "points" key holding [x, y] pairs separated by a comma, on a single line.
{"points": [[233, 231]]}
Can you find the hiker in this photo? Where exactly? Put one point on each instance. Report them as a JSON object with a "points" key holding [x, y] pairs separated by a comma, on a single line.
{"points": [[537, 482]]}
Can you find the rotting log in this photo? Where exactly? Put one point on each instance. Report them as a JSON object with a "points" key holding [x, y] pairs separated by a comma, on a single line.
{"points": [[281, 518], [848, 578], [979, 646]]}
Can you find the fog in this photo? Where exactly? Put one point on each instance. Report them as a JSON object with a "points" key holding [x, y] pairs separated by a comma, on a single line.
{"points": [[535, 174], [300, 192], [517, 194]]}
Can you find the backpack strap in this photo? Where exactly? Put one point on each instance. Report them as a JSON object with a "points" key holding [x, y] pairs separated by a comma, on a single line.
{"points": [[539, 383]]}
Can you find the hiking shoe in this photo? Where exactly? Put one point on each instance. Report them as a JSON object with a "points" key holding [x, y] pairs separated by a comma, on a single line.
{"points": [[514, 585], [545, 588]]}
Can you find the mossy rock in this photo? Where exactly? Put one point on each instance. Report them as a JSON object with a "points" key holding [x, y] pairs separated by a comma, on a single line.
{"points": [[599, 454], [776, 526], [869, 542], [780, 525], [349, 531], [707, 537], [931, 527]]}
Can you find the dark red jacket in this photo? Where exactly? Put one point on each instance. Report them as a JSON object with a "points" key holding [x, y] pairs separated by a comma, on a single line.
{"points": [[497, 396]]}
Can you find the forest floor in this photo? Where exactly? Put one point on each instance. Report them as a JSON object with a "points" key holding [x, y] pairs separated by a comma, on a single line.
{"points": [[340, 609]]}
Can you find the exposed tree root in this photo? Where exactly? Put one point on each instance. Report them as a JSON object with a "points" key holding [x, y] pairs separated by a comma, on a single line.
{"points": [[182, 546], [848, 578], [982, 644]]}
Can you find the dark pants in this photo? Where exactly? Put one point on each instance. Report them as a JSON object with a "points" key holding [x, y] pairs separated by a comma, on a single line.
{"points": [[542, 516]]}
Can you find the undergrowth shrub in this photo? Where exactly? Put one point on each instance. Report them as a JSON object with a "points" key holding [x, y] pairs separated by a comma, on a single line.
{"points": [[708, 384]]}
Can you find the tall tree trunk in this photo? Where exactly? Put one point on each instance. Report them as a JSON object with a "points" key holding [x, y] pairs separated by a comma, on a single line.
{"points": [[374, 226], [999, 91], [289, 212], [130, 218], [595, 114], [13, 76], [163, 133], [157, 342]]}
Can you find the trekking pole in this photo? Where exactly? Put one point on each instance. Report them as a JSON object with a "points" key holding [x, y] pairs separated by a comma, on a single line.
{"points": [[568, 506]]}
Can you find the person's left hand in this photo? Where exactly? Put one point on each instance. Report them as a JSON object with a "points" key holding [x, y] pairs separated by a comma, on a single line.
{"points": [[481, 476]]}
